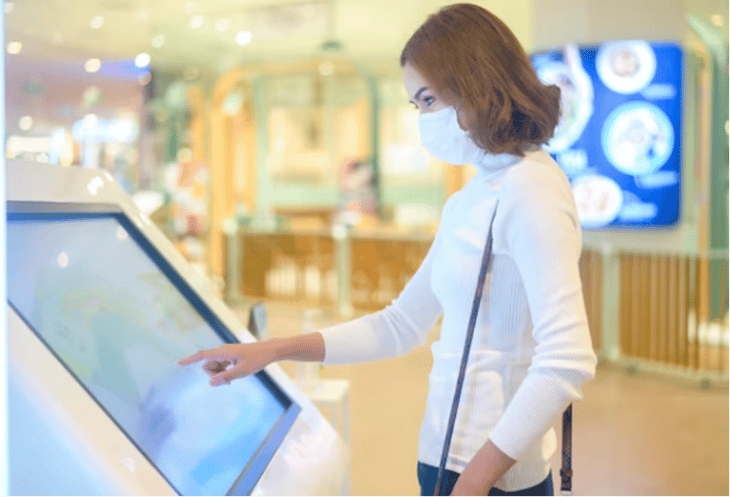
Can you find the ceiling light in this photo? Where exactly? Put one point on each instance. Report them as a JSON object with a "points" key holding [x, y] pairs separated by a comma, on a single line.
{"points": [[196, 22], [25, 123], [9, 7], [92, 65], [716, 20], [222, 25], [142, 60], [243, 37], [14, 47], [158, 41], [96, 22]]}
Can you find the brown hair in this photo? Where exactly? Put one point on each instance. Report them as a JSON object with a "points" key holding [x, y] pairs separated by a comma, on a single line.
{"points": [[474, 61]]}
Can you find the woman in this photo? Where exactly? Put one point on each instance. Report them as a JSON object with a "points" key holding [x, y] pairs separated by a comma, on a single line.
{"points": [[480, 102]]}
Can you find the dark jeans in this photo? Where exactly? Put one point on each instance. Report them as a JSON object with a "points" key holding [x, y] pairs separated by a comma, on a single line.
{"points": [[427, 479]]}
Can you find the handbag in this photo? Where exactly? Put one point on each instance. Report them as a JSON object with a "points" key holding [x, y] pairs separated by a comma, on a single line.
{"points": [[566, 472]]}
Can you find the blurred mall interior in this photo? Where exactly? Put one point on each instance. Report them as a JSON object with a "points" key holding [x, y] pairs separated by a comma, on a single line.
{"points": [[273, 144]]}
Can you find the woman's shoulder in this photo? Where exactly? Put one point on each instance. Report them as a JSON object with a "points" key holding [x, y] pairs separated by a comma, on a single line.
{"points": [[536, 197], [536, 166], [537, 175]]}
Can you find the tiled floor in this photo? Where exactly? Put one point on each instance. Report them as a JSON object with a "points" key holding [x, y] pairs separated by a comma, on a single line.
{"points": [[633, 434]]}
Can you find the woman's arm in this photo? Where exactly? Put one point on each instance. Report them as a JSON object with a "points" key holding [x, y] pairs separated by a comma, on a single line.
{"points": [[393, 331], [309, 347], [544, 239], [236, 360]]}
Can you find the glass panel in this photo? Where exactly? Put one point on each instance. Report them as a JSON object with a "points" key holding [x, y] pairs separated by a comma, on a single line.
{"points": [[118, 323]]}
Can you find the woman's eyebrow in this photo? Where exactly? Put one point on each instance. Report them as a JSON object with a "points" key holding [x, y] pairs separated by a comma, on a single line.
{"points": [[418, 94]]}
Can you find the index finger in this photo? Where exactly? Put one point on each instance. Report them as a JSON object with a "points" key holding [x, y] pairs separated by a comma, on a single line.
{"points": [[198, 356]]}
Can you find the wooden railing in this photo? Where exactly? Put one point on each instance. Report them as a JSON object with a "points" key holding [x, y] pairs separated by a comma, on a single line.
{"points": [[591, 277], [665, 311], [660, 302]]}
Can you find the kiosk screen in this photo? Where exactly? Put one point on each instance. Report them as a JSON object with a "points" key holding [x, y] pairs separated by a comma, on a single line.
{"points": [[116, 314]]}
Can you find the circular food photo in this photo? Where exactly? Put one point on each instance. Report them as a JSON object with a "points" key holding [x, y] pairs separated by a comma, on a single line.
{"points": [[576, 103], [598, 200], [637, 138], [626, 66]]}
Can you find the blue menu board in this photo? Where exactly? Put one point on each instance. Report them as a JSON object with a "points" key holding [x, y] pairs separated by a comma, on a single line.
{"points": [[619, 135]]}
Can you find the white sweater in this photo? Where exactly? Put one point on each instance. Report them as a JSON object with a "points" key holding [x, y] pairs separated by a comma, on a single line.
{"points": [[531, 350]]}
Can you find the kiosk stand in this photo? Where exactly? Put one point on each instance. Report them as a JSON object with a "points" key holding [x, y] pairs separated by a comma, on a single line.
{"points": [[100, 305]]}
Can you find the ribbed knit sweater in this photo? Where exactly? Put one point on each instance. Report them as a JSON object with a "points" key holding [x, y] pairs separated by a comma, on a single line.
{"points": [[531, 350]]}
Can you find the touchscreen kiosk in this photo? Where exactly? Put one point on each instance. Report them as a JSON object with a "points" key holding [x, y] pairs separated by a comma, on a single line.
{"points": [[99, 311]]}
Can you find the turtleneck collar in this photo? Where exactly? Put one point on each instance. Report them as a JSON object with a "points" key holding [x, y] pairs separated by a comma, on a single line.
{"points": [[495, 162], [492, 162]]}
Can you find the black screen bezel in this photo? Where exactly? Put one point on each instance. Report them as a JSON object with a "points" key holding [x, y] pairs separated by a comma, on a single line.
{"points": [[53, 211]]}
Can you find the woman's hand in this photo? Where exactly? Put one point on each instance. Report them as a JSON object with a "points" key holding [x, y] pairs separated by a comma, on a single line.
{"points": [[479, 476], [464, 487], [233, 360]]}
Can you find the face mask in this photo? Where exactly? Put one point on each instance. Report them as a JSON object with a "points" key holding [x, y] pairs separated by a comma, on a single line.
{"points": [[442, 136]]}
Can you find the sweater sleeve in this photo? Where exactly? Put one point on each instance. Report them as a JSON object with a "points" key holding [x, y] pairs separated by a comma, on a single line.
{"points": [[544, 239], [393, 331]]}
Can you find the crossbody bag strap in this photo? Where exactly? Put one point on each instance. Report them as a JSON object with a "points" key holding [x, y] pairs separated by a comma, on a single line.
{"points": [[566, 471], [486, 258]]}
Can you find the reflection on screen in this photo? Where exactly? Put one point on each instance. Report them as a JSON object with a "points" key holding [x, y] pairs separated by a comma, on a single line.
{"points": [[116, 320]]}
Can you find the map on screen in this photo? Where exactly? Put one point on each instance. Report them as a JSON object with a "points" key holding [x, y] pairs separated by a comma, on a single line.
{"points": [[109, 312]]}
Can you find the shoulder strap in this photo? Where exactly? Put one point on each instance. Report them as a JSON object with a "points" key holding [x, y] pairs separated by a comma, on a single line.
{"points": [[566, 472], [486, 258]]}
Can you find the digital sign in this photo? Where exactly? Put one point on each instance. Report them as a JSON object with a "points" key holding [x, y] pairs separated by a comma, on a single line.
{"points": [[619, 134]]}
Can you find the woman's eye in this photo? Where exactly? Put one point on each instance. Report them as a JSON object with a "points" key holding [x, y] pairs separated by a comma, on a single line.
{"points": [[427, 101]]}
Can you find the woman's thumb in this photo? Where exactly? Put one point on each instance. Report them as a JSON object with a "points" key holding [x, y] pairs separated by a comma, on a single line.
{"points": [[222, 378]]}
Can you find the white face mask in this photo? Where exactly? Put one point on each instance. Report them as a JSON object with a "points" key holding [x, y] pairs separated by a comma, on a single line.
{"points": [[442, 136]]}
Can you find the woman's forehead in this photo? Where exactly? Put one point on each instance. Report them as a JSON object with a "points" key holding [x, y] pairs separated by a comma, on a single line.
{"points": [[412, 80]]}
